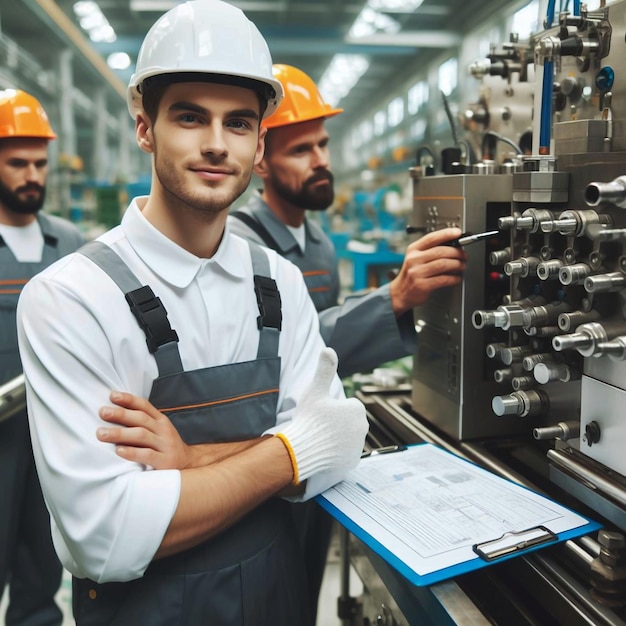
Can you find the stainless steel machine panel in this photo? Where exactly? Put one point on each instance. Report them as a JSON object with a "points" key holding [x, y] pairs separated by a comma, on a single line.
{"points": [[602, 423], [453, 380]]}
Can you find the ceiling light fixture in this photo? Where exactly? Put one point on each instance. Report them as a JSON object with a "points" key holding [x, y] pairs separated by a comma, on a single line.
{"points": [[118, 61], [395, 6], [93, 21], [345, 70], [341, 75], [370, 21]]}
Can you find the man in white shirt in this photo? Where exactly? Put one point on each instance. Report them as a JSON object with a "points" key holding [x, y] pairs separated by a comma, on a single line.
{"points": [[218, 334], [29, 241]]}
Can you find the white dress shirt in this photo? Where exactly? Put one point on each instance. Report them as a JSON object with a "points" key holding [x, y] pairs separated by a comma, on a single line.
{"points": [[79, 340]]}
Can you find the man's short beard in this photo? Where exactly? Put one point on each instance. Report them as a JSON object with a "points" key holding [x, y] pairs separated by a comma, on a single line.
{"points": [[310, 197], [11, 200]]}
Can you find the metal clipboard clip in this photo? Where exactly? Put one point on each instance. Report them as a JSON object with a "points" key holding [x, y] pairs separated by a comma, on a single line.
{"points": [[512, 542]]}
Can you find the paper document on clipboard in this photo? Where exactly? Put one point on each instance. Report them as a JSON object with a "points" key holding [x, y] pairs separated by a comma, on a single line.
{"points": [[433, 515]]}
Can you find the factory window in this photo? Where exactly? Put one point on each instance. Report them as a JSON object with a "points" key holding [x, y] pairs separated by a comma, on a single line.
{"points": [[417, 96], [526, 20], [418, 130], [396, 139], [486, 40], [366, 128], [448, 76], [395, 112], [380, 123]]}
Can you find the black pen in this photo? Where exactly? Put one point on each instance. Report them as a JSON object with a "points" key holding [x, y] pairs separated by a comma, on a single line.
{"points": [[385, 450], [410, 230], [468, 238]]}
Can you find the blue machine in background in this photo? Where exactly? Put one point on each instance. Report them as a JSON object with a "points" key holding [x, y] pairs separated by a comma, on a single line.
{"points": [[364, 233]]}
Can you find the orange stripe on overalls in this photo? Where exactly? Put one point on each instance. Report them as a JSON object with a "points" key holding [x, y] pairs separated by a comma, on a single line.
{"points": [[18, 282], [224, 401]]}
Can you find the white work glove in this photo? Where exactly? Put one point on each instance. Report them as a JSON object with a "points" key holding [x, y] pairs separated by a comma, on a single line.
{"points": [[326, 433]]}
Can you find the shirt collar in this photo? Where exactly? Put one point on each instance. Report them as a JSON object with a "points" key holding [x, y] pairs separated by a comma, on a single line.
{"points": [[173, 263]]}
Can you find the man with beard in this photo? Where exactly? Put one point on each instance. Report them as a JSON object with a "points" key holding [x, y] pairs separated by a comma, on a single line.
{"points": [[169, 323], [29, 241], [368, 329]]}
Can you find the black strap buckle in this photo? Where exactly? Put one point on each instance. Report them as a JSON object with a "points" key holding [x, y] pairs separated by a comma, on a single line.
{"points": [[151, 316], [268, 300]]}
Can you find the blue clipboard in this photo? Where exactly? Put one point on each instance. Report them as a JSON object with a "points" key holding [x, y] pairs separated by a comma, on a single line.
{"points": [[388, 499]]}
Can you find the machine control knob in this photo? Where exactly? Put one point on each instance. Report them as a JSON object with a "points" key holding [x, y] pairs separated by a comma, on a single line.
{"points": [[545, 373], [522, 403], [592, 433]]}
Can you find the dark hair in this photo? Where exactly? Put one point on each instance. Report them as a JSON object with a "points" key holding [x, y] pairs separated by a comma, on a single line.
{"points": [[153, 87]]}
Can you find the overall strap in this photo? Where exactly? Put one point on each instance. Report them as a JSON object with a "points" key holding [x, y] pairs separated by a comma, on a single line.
{"points": [[268, 299], [252, 223], [147, 308]]}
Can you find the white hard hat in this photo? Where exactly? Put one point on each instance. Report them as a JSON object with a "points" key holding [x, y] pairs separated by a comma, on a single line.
{"points": [[206, 37]]}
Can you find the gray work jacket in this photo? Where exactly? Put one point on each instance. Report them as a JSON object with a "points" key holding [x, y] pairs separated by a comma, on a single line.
{"points": [[364, 330]]}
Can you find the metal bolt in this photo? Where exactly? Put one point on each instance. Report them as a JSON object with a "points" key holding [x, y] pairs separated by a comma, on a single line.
{"points": [[611, 540]]}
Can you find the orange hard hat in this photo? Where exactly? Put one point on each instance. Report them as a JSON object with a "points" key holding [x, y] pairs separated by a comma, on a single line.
{"points": [[302, 101], [21, 115]]}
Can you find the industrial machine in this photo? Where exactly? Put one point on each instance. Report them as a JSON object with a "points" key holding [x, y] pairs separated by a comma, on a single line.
{"points": [[522, 369]]}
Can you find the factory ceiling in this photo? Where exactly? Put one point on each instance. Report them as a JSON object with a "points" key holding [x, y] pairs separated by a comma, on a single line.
{"points": [[304, 33]]}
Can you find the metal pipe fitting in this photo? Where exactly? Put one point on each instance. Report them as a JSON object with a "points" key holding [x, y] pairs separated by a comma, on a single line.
{"points": [[614, 349], [545, 373], [522, 382], [523, 267], [500, 257], [523, 403], [515, 354], [569, 321], [573, 274], [588, 336], [549, 269], [544, 315], [563, 431], [613, 192], [575, 222], [493, 350], [613, 281], [529, 362]]}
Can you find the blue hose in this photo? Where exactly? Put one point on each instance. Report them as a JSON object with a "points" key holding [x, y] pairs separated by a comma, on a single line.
{"points": [[546, 108], [550, 13]]}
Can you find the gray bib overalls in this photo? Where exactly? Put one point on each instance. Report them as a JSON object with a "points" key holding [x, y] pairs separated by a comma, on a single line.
{"points": [[252, 573], [27, 555]]}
